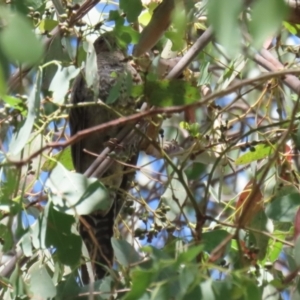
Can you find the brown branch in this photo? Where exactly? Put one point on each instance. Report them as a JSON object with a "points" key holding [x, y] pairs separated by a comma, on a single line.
{"points": [[197, 47], [142, 115]]}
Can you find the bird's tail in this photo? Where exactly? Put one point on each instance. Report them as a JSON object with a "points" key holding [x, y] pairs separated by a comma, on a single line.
{"points": [[96, 231]]}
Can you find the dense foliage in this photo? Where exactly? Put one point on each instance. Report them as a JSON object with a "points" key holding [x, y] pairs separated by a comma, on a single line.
{"points": [[213, 212]]}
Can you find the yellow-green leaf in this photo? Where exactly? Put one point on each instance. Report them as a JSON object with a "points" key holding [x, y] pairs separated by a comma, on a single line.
{"points": [[47, 25], [64, 157], [261, 151]]}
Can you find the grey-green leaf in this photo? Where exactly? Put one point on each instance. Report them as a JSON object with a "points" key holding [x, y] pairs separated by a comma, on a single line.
{"points": [[41, 284], [60, 83], [18, 41], [267, 16], [124, 252], [132, 8], [223, 16], [283, 208], [21, 137], [75, 194]]}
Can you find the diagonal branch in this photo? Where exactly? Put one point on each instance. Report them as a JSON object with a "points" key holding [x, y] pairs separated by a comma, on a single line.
{"points": [[147, 113]]}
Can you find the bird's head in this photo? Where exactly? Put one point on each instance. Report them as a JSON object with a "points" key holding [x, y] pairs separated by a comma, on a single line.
{"points": [[107, 42]]}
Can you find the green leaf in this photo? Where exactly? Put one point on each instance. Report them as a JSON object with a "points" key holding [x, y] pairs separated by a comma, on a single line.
{"points": [[290, 258], [17, 283], [19, 45], [132, 9], [207, 289], [261, 223], [68, 288], [23, 6], [177, 31], [141, 279], [193, 128], [59, 235], [213, 238], [204, 76], [174, 197], [284, 191], [189, 255], [156, 254], [6, 238], [265, 25], [269, 292], [39, 229], [283, 208], [8, 187], [15, 103], [75, 194], [275, 247], [47, 25], [126, 35], [114, 15], [249, 289], [295, 292], [297, 137], [60, 83], [26, 245], [3, 86], [290, 27], [171, 92], [90, 71], [195, 293], [21, 137], [124, 252], [259, 152], [179, 26], [137, 90], [41, 284], [161, 292], [177, 40], [223, 289], [55, 52], [234, 70], [187, 278], [64, 157], [195, 170], [223, 16], [297, 251]]}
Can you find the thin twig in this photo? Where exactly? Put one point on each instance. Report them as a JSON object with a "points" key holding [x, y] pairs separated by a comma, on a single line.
{"points": [[141, 115]]}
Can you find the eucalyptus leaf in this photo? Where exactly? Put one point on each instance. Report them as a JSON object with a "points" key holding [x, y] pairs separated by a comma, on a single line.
{"points": [[75, 194], [124, 252], [223, 16], [59, 235], [264, 25], [41, 284], [19, 45], [258, 152], [141, 279], [174, 196], [261, 223], [21, 137], [64, 157], [132, 9], [283, 208], [60, 83]]}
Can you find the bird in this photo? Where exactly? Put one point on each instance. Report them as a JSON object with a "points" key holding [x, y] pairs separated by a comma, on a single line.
{"points": [[113, 69]]}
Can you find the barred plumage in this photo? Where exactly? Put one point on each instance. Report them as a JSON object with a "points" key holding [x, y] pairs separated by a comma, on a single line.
{"points": [[111, 65]]}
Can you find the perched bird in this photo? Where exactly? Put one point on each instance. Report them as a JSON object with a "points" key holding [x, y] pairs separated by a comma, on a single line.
{"points": [[112, 70]]}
